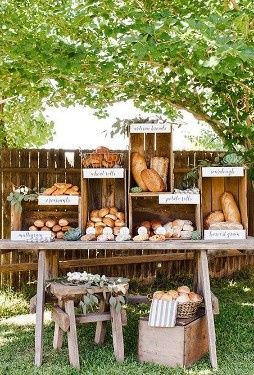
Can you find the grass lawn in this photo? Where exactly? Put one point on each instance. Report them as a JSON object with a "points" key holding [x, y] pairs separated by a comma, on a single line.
{"points": [[234, 327]]}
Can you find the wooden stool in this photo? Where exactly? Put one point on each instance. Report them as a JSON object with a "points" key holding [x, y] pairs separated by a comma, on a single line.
{"points": [[63, 315]]}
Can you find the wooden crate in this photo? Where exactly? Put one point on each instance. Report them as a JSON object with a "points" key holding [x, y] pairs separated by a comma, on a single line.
{"points": [[180, 346], [213, 187], [31, 211], [103, 192], [150, 145], [147, 207]]}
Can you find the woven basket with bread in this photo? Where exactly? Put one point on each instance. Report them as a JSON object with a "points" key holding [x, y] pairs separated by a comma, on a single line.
{"points": [[188, 302]]}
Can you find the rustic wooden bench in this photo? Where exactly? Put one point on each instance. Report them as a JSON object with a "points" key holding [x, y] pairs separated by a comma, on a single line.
{"points": [[65, 319]]}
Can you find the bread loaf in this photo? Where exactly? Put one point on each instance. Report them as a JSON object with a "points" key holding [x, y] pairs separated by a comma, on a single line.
{"points": [[32, 228], [160, 165], [213, 217], [39, 223], [50, 223], [152, 180], [229, 208], [138, 164], [63, 222]]}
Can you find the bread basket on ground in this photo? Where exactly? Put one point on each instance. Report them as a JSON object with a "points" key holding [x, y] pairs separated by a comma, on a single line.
{"points": [[188, 309]]}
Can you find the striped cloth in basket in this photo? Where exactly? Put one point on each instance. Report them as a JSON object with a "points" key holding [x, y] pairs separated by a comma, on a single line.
{"points": [[162, 313]]}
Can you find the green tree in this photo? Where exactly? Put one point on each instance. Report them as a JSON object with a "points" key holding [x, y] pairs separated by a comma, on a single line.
{"points": [[165, 55]]}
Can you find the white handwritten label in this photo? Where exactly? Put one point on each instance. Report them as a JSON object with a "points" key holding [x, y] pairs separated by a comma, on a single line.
{"points": [[150, 128], [60, 200], [179, 199], [224, 234], [103, 173], [222, 171], [26, 235]]}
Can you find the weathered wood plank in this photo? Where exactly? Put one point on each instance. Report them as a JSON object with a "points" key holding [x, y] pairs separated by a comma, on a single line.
{"points": [[60, 318]]}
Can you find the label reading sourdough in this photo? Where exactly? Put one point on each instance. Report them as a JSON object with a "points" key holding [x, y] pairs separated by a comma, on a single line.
{"points": [[59, 200], [222, 171], [150, 128], [224, 234], [103, 173], [26, 235], [179, 199]]}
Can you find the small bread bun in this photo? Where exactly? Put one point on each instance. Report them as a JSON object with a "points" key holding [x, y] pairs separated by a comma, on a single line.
{"points": [[66, 228], [116, 230], [50, 223], [176, 232], [183, 289], [102, 238], [98, 230], [103, 212], [99, 224], [60, 234], [90, 223], [173, 294], [178, 223], [194, 297], [32, 228], [113, 210], [95, 219], [113, 217], [63, 222], [183, 298], [39, 223], [94, 213], [120, 215], [166, 297], [88, 237], [109, 222], [46, 228], [119, 223], [146, 224], [155, 224], [56, 228], [158, 294]]}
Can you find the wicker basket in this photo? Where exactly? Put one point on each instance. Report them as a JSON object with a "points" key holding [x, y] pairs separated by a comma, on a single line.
{"points": [[187, 309]]}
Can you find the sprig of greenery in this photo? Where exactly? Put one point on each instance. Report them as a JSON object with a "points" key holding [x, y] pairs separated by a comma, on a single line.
{"points": [[21, 194]]}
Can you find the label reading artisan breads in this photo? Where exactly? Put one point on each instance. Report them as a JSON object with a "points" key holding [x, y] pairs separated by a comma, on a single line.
{"points": [[150, 128]]}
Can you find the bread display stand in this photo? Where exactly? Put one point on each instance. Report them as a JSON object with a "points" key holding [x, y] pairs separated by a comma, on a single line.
{"points": [[103, 187], [214, 182], [47, 207]]}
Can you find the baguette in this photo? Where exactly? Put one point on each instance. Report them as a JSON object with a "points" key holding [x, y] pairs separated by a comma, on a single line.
{"points": [[138, 164]]}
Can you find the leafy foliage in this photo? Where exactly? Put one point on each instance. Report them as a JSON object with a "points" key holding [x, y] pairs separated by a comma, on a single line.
{"points": [[165, 55]]}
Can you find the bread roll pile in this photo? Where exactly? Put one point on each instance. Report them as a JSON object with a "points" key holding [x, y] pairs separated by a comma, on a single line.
{"points": [[182, 295], [152, 179], [58, 228], [229, 218], [62, 188], [106, 217], [173, 229], [102, 157]]}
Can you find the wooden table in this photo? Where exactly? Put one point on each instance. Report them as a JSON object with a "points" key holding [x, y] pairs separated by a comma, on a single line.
{"points": [[201, 277]]}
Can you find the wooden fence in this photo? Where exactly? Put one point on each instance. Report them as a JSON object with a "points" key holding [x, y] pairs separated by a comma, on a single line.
{"points": [[42, 168]]}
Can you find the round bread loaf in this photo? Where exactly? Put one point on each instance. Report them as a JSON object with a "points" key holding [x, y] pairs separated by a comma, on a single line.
{"points": [[213, 217], [158, 294], [113, 217], [95, 219], [194, 297], [56, 228], [116, 230], [66, 228], [119, 223], [152, 180], [109, 222], [63, 222], [146, 224], [39, 223], [120, 215], [50, 223], [33, 228], [155, 224], [46, 228], [183, 298], [113, 210], [98, 230], [90, 223], [60, 234], [173, 294], [100, 224], [183, 289], [166, 297], [103, 211], [94, 213]]}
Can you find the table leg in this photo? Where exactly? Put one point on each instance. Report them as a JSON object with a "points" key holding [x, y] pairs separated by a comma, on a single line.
{"points": [[204, 288], [40, 308], [117, 333]]}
